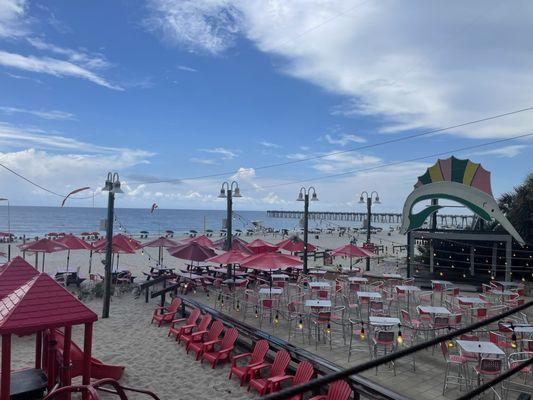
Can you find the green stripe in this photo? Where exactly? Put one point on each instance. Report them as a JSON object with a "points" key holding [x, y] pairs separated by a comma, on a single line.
{"points": [[458, 169]]}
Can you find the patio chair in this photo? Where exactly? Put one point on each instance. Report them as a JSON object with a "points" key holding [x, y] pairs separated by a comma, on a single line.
{"points": [[257, 356], [502, 341], [322, 323], [384, 341], [454, 360], [166, 314], [250, 303], [518, 358], [185, 331], [294, 316], [190, 320], [226, 345], [338, 390], [196, 344], [489, 367], [277, 368], [304, 373], [268, 307]]}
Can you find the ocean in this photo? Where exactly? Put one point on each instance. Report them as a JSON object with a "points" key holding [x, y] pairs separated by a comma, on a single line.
{"points": [[37, 221]]}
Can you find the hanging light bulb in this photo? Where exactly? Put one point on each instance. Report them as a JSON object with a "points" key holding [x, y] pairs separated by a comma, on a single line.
{"points": [[328, 328], [238, 306], [300, 323], [399, 338], [440, 273], [513, 341], [451, 344], [256, 313], [523, 279], [362, 333], [276, 319], [142, 252]]}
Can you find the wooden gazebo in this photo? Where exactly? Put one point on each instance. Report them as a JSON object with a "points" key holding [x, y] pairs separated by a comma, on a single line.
{"points": [[32, 303]]}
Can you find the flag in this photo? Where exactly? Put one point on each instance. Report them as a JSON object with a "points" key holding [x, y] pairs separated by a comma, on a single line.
{"points": [[73, 192], [154, 206]]}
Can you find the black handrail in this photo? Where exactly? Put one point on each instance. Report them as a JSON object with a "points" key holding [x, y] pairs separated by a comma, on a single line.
{"points": [[150, 283]]}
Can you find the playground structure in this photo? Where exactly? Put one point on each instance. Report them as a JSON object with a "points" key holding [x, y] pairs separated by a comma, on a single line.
{"points": [[34, 304]]}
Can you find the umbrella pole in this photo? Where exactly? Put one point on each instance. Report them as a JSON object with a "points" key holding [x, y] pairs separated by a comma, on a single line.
{"points": [[42, 270], [68, 258], [90, 260], [350, 263], [118, 260], [37, 261], [161, 263]]}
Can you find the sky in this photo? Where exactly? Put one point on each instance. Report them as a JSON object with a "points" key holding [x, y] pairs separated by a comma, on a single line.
{"points": [[198, 92]]}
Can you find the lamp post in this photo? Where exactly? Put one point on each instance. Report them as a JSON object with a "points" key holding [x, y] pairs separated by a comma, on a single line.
{"points": [[368, 198], [8, 229], [112, 185], [304, 196], [228, 191]]}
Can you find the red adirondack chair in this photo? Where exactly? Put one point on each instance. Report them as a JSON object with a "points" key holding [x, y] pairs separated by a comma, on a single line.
{"points": [[201, 327], [256, 357], [198, 339], [166, 314], [277, 368], [338, 390], [226, 345], [190, 320], [304, 373]]}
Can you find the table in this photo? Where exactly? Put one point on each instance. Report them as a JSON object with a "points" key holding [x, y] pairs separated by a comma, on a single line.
{"points": [[480, 348], [384, 321], [443, 285], [520, 328], [357, 279], [317, 303], [471, 300], [369, 295], [392, 276], [279, 276], [188, 275], [508, 284], [319, 285], [434, 310], [272, 291], [232, 281], [317, 272]]}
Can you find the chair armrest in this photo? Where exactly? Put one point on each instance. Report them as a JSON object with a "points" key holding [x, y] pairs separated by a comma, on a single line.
{"points": [[279, 379], [239, 356], [259, 367], [211, 343], [198, 333], [187, 326], [175, 321]]}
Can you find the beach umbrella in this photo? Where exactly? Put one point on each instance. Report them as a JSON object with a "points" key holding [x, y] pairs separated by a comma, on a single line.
{"points": [[351, 250], [294, 244], [160, 242], [192, 251], [73, 243], [259, 246], [230, 258], [121, 244], [236, 244], [43, 246], [201, 240], [271, 261]]}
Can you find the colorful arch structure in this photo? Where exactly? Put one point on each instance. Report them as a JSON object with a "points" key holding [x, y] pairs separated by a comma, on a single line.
{"points": [[462, 181]]}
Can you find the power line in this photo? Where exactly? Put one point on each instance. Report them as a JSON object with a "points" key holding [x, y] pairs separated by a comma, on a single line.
{"points": [[400, 162], [364, 147]]}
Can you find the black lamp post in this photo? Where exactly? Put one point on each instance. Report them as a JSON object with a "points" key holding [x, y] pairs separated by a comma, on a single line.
{"points": [[368, 198], [228, 191], [112, 185], [304, 196]]}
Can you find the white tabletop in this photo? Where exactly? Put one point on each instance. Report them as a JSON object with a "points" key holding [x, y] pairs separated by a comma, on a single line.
{"points": [[318, 303], [434, 310], [507, 284], [384, 321], [270, 291], [320, 284], [370, 295], [521, 328], [279, 276], [443, 283], [392, 276], [471, 300], [407, 288], [501, 292], [357, 279], [317, 272], [480, 347]]}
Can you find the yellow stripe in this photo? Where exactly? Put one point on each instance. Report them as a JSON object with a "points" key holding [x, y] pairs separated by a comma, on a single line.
{"points": [[435, 174], [470, 171]]}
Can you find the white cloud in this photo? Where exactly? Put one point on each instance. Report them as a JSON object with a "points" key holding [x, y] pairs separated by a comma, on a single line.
{"points": [[52, 66], [45, 114], [337, 162], [272, 198], [417, 64], [225, 153], [206, 26], [296, 156], [11, 18], [269, 144], [186, 68], [344, 139], [206, 161], [506, 151]]}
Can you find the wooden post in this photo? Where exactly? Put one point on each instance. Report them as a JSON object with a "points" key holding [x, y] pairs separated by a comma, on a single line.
{"points": [[65, 379], [87, 349], [5, 379]]}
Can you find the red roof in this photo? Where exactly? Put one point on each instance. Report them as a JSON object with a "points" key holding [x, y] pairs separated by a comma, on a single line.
{"points": [[15, 274], [39, 304]]}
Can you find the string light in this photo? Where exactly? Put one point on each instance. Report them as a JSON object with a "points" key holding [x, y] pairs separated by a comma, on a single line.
{"points": [[238, 307], [513, 341], [276, 319], [300, 323], [328, 328], [399, 339], [256, 313], [362, 333]]}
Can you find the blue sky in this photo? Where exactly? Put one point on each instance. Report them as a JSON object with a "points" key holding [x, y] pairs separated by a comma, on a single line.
{"points": [[161, 89]]}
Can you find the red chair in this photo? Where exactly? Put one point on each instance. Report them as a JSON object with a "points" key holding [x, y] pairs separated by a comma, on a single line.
{"points": [[488, 367], [166, 314], [256, 357], [338, 390], [226, 345], [304, 373], [190, 320], [501, 341], [197, 338], [277, 368], [186, 331]]}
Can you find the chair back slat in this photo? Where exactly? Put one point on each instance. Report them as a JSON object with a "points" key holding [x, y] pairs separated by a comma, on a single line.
{"points": [[304, 372], [230, 337], [281, 361], [214, 332], [204, 322], [193, 316], [339, 390], [259, 353]]}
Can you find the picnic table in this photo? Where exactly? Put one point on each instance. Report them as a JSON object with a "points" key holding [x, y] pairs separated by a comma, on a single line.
{"points": [[188, 275], [279, 276], [434, 310], [384, 321], [317, 303]]}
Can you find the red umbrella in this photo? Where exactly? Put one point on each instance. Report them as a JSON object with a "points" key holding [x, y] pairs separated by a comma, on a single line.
{"points": [[236, 244], [294, 244], [259, 246], [229, 257], [351, 250], [73, 243], [270, 261], [201, 240], [120, 244], [192, 252], [160, 242], [43, 246]]}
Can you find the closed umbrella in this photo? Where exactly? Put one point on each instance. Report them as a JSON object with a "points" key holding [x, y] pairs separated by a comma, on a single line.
{"points": [[160, 242], [259, 246], [351, 250], [43, 246], [73, 243]]}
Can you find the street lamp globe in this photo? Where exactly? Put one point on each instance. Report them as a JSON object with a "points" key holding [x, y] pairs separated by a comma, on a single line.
{"points": [[222, 194], [377, 200], [361, 199], [300, 197], [237, 192]]}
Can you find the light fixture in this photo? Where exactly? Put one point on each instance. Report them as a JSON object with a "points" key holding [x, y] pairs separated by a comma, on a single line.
{"points": [[237, 192], [276, 319], [222, 194], [361, 200], [377, 201], [328, 328], [451, 344], [300, 196], [362, 333], [300, 323], [399, 338], [314, 196], [513, 341]]}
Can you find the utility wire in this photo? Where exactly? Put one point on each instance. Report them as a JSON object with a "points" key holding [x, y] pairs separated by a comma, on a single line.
{"points": [[364, 147]]}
